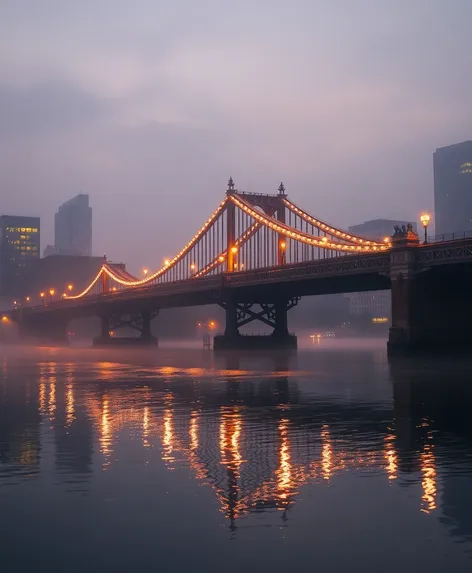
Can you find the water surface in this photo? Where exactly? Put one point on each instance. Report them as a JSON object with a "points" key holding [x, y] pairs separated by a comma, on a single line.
{"points": [[178, 460]]}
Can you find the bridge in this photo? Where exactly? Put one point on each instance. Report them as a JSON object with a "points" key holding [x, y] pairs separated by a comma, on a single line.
{"points": [[255, 256]]}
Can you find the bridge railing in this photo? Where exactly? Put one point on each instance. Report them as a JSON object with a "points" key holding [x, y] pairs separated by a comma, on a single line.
{"points": [[450, 237]]}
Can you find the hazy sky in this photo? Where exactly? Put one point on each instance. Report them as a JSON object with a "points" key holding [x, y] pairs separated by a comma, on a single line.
{"points": [[150, 105]]}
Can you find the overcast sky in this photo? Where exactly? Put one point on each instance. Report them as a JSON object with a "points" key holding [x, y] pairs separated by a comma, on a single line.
{"points": [[150, 105]]}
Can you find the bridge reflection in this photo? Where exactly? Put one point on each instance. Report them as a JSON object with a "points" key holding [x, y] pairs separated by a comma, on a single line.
{"points": [[256, 444]]}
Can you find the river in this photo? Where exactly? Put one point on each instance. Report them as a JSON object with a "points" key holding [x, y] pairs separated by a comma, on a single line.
{"points": [[176, 460]]}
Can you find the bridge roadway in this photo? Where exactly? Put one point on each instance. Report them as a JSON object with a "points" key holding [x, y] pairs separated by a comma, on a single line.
{"points": [[350, 273]]}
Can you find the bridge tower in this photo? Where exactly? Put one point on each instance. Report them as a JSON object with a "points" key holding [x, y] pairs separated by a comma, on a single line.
{"points": [[270, 309]]}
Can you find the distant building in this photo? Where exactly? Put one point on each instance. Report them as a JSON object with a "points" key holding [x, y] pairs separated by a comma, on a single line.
{"points": [[58, 272], [19, 249], [73, 227], [49, 250], [376, 304], [378, 229], [453, 188]]}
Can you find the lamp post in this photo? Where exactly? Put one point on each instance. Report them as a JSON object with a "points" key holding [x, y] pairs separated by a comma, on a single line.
{"points": [[192, 269], [42, 297], [70, 287], [425, 218], [51, 293], [145, 272]]}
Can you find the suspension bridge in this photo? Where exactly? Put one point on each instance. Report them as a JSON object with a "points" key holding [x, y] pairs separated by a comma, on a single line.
{"points": [[255, 256]]}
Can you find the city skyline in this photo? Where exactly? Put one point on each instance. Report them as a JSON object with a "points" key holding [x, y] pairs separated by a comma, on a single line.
{"points": [[344, 105]]}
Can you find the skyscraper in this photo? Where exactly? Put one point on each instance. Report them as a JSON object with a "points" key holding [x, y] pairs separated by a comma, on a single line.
{"points": [[73, 227], [19, 247], [453, 188]]}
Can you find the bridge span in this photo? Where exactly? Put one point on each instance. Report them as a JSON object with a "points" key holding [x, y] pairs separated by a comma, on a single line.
{"points": [[256, 256]]}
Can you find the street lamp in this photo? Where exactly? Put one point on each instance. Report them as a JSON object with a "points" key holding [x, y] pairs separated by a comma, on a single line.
{"points": [[425, 218], [51, 292], [145, 272], [192, 268], [42, 297], [70, 287]]}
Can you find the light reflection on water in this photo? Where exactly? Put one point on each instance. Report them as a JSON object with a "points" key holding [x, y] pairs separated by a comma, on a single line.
{"points": [[277, 441]]}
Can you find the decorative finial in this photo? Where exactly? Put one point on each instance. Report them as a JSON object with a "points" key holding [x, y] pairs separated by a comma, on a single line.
{"points": [[105, 258], [281, 189], [230, 184]]}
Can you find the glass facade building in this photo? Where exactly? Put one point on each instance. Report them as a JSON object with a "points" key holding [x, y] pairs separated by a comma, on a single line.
{"points": [[19, 248], [453, 188]]}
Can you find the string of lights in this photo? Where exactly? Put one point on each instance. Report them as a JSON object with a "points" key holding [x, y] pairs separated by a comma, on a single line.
{"points": [[347, 237], [301, 236]]}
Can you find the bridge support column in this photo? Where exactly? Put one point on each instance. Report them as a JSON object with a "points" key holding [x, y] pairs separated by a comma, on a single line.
{"points": [[280, 320], [140, 322], [146, 334], [431, 308], [271, 314], [231, 330]]}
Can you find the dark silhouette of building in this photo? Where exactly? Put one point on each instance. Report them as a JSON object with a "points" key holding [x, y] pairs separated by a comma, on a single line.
{"points": [[61, 273], [375, 305], [73, 227], [453, 188], [19, 248], [378, 229]]}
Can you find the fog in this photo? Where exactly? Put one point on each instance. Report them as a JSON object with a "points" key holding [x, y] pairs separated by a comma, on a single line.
{"points": [[149, 107]]}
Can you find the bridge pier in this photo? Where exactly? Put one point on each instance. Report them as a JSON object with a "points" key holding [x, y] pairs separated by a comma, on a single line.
{"points": [[271, 314], [431, 307], [141, 322]]}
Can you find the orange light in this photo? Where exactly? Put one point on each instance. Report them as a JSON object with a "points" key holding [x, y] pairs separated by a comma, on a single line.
{"points": [[70, 287], [425, 218], [41, 295], [113, 289], [167, 262], [145, 272], [283, 245], [4, 318], [192, 266], [221, 258], [386, 239], [234, 249], [27, 299], [51, 292]]}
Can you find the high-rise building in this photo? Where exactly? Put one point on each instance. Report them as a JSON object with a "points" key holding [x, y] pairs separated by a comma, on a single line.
{"points": [[374, 304], [19, 248], [453, 188], [73, 227]]}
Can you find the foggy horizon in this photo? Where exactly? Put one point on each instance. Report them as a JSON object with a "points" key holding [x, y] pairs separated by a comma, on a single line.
{"points": [[150, 110]]}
